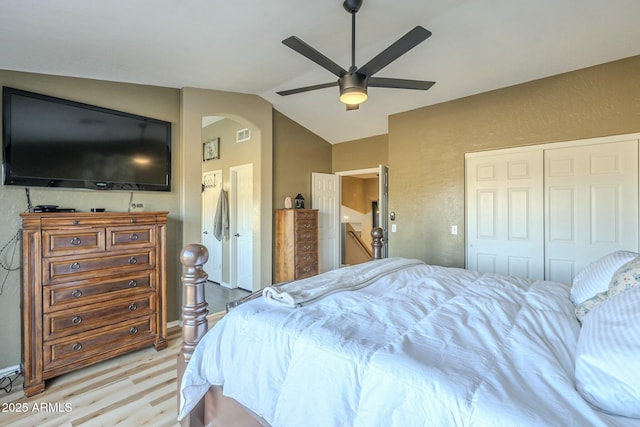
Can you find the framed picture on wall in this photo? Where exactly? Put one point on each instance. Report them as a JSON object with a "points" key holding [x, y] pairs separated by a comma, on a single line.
{"points": [[211, 149]]}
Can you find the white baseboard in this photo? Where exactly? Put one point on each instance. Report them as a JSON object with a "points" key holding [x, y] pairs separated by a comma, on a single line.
{"points": [[174, 323], [9, 370], [227, 285]]}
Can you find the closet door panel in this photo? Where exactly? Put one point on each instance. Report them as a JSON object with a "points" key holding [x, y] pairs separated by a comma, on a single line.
{"points": [[591, 206], [505, 214]]}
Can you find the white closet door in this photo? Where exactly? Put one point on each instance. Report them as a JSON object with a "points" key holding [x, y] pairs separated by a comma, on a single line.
{"points": [[505, 229], [591, 206]]}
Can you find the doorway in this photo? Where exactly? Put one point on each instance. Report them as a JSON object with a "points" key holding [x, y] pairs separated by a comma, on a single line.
{"points": [[362, 201], [211, 187]]}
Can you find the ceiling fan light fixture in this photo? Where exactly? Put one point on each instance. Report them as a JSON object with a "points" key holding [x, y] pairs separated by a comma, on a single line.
{"points": [[353, 96], [353, 89]]}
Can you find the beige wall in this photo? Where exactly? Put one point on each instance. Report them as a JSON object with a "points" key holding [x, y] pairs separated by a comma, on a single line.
{"points": [[251, 112], [427, 146], [358, 193], [358, 154], [156, 102], [297, 152]]}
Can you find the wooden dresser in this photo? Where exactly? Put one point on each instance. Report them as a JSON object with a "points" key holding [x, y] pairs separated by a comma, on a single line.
{"points": [[93, 287], [296, 244]]}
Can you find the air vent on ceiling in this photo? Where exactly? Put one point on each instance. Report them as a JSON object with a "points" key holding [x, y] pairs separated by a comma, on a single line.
{"points": [[243, 135]]}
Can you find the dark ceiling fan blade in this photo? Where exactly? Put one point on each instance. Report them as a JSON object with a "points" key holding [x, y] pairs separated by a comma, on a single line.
{"points": [[306, 88], [396, 50], [399, 83], [304, 49], [351, 107]]}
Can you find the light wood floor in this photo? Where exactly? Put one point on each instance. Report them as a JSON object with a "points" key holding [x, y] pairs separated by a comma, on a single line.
{"points": [[137, 389]]}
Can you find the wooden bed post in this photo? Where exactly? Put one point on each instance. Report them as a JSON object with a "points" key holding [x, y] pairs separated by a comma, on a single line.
{"points": [[194, 316], [376, 242]]}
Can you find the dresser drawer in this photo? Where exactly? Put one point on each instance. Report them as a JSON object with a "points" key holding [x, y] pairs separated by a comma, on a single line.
{"points": [[67, 295], [306, 246], [131, 237], [56, 270], [306, 270], [307, 258], [306, 235], [75, 348], [306, 225], [67, 242], [80, 319], [306, 215]]}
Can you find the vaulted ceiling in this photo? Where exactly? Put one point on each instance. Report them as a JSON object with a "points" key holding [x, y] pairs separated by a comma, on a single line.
{"points": [[476, 46]]}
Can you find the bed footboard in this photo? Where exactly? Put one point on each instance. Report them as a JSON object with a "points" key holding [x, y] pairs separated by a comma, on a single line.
{"points": [[214, 408]]}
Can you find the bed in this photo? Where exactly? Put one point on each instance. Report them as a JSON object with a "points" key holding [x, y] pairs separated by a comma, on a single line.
{"points": [[397, 342]]}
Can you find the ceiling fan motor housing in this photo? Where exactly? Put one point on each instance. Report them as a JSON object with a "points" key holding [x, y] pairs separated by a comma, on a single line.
{"points": [[353, 82]]}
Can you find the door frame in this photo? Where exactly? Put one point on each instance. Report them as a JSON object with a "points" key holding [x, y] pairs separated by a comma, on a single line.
{"points": [[382, 173]]}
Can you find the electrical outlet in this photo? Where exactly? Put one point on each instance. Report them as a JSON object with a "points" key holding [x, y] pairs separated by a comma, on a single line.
{"points": [[393, 228], [137, 207], [454, 229]]}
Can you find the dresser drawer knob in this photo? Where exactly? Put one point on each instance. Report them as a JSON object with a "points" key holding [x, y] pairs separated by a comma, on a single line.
{"points": [[133, 236], [76, 222], [133, 306], [76, 320], [75, 266], [77, 346], [133, 283], [133, 260], [133, 220], [133, 330], [76, 241], [77, 293]]}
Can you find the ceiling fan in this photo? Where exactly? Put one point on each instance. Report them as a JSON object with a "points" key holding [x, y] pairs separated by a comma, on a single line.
{"points": [[353, 83]]}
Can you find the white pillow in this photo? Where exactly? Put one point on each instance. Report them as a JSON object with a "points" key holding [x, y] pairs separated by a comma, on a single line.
{"points": [[607, 357], [596, 276]]}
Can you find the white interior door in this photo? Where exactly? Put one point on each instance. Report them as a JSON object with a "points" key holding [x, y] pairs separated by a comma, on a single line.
{"points": [[591, 205], [325, 196], [212, 184], [241, 227], [505, 228]]}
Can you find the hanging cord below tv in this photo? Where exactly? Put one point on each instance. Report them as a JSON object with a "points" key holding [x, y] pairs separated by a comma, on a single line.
{"points": [[8, 380], [29, 205], [8, 268]]}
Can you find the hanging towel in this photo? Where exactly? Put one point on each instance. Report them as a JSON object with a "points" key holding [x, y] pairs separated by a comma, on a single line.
{"points": [[221, 221]]}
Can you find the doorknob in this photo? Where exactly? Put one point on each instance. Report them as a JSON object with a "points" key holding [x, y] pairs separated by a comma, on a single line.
{"points": [[205, 232], [237, 234]]}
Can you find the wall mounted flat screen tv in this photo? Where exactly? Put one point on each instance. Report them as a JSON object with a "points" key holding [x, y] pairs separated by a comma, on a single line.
{"points": [[53, 142]]}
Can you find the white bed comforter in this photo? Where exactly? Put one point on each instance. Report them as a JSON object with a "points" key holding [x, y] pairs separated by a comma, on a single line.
{"points": [[424, 346]]}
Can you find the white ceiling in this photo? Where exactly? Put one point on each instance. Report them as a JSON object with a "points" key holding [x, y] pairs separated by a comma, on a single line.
{"points": [[476, 46]]}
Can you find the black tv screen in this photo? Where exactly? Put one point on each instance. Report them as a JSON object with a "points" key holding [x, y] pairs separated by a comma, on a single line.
{"points": [[53, 142]]}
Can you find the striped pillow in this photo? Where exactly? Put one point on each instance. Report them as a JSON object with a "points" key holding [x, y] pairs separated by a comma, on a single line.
{"points": [[607, 357], [596, 276]]}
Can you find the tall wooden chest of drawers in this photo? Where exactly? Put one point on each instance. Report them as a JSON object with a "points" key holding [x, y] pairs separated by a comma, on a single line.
{"points": [[93, 287], [296, 244]]}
